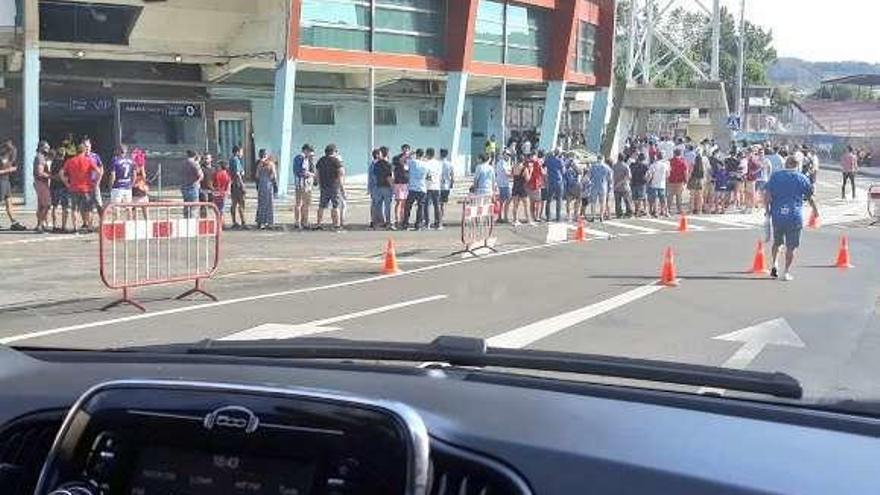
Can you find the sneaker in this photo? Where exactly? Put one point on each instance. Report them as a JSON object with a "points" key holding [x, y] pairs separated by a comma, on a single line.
{"points": [[774, 273], [787, 277], [17, 227]]}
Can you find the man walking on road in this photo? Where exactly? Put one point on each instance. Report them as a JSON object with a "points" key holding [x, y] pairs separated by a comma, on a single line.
{"points": [[786, 192], [849, 164]]}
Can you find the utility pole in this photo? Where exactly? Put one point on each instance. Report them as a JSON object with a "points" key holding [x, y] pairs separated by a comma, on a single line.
{"points": [[715, 73], [740, 66]]}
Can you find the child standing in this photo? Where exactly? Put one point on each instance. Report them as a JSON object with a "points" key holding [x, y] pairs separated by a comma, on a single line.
{"points": [[222, 183]]}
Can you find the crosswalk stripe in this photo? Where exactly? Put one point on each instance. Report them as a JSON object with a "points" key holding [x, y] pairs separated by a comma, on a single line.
{"points": [[668, 223], [631, 227], [718, 221]]}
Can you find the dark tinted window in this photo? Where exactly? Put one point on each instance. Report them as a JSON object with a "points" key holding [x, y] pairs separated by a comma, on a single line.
{"points": [[87, 22]]}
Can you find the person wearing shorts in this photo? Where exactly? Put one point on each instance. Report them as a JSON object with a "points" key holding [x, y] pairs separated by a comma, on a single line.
{"points": [[8, 154], [81, 175], [447, 181], [121, 173], [400, 190], [236, 190], [638, 184], [58, 193], [222, 182], [786, 192], [42, 176], [330, 175], [303, 180]]}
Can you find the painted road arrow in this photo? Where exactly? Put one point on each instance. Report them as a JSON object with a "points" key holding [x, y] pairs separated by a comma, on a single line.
{"points": [[754, 339], [287, 331]]}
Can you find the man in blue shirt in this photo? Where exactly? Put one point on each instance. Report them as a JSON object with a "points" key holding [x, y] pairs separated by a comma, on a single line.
{"points": [[555, 182], [417, 190], [785, 196]]}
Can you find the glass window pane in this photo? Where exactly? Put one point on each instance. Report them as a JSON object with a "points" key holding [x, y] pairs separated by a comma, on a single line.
{"points": [[403, 43], [435, 5], [488, 53], [490, 22], [340, 12], [318, 115], [385, 116], [523, 56], [336, 38], [400, 20], [429, 118]]}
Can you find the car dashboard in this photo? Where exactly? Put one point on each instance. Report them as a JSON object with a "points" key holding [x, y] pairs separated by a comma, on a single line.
{"points": [[90, 423]]}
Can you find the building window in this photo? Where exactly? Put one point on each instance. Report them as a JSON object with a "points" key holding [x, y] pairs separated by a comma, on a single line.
{"points": [[318, 115], [400, 26], [86, 22], [154, 123], [510, 33], [384, 116], [429, 118], [585, 57]]}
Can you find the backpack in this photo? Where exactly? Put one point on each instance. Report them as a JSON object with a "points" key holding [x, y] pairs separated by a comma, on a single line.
{"points": [[299, 169]]}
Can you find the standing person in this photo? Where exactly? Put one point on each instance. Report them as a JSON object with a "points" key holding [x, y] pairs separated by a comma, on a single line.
{"points": [[572, 181], [695, 184], [491, 147], [384, 179], [121, 171], [601, 177], [79, 175], [722, 187], [371, 186], [658, 173], [331, 183], [416, 190], [303, 180], [206, 186], [586, 192], [400, 164], [810, 162], [237, 190], [447, 182], [266, 176], [534, 185], [776, 161], [849, 165], [140, 188], [520, 173], [754, 169], [638, 184], [734, 166], [526, 147], [192, 177], [221, 185], [786, 192], [555, 183], [678, 175], [8, 154], [58, 192], [502, 177], [97, 199], [432, 185], [622, 175], [484, 178], [42, 176]]}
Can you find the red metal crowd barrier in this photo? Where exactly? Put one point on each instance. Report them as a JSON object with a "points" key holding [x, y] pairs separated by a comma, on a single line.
{"points": [[477, 223], [158, 243], [874, 203]]}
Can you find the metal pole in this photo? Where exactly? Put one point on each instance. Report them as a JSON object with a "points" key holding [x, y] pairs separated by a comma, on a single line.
{"points": [[631, 42], [371, 114], [647, 58], [716, 41], [740, 66]]}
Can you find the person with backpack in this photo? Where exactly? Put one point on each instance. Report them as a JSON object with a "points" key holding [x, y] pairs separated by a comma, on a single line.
{"points": [[695, 184], [303, 181]]}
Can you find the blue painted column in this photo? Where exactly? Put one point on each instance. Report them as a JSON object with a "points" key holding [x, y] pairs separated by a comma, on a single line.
{"points": [[450, 122], [282, 122], [598, 117], [553, 104], [31, 101]]}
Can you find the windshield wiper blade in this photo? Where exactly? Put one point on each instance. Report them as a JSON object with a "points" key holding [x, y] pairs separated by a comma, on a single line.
{"points": [[467, 351]]}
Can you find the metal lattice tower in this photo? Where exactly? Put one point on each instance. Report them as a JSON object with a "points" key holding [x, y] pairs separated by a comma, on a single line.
{"points": [[646, 22]]}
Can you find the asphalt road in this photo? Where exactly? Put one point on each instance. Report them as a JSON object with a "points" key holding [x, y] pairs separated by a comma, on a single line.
{"points": [[595, 297]]}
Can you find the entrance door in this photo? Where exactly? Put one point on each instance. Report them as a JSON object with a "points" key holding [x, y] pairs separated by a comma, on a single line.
{"points": [[233, 129]]}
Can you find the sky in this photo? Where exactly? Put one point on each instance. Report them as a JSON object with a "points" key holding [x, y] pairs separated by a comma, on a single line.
{"points": [[818, 30]]}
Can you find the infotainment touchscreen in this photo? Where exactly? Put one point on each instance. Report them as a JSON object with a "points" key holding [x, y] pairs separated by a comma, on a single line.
{"points": [[162, 471]]}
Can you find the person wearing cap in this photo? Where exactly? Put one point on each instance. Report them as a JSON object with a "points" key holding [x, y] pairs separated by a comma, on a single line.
{"points": [[303, 180]]}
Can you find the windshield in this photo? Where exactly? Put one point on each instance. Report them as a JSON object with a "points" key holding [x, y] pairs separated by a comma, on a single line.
{"points": [[688, 182]]}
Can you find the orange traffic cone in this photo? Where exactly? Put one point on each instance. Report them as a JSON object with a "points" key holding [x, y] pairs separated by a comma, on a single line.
{"points": [[579, 234], [390, 267], [759, 266], [843, 254], [813, 222], [667, 273], [683, 224]]}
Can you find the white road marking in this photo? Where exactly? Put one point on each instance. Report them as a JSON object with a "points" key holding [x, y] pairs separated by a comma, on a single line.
{"points": [[259, 297], [43, 238], [754, 339], [557, 232], [282, 331], [669, 223], [631, 227], [719, 221], [529, 334]]}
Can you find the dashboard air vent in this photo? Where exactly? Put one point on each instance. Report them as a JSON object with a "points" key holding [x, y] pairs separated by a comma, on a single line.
{"points": [[459, 472], [24, 445]]}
